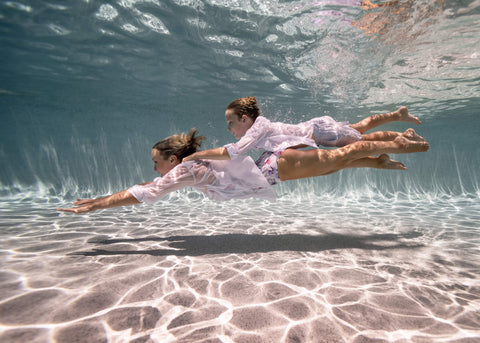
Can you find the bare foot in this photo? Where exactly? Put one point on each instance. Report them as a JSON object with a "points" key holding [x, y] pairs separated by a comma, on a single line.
{"points": [[411, 146], [411, 135], [387, 163], [367, 4], [404, 115]]}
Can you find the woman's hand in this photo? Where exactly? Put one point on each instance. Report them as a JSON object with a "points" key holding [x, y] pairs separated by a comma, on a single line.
{"points": [[81, 206], [122, 198]]}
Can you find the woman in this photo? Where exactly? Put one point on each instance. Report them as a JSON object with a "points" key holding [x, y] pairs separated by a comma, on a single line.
{"points": [[224, 180]]}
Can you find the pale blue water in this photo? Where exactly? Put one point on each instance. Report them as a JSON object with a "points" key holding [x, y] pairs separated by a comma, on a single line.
{"points": [[87, 87]]}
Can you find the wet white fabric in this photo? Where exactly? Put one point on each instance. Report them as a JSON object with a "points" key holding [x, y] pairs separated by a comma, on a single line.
{"points": [[276, 136], [219, 180], [331, 133], [268, 136]]}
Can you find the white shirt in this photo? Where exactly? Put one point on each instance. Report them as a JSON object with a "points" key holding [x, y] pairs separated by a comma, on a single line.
{"points": [[219, 180], [274, 137]]}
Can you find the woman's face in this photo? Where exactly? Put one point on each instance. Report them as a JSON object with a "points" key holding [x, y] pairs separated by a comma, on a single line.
{"points": [[163, 165], [237, 126]]}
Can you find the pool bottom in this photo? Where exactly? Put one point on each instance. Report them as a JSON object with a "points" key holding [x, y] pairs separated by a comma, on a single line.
{"points": [[248, 271]]}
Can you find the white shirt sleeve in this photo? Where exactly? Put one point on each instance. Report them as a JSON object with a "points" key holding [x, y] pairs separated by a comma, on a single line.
{"points": [[259, 130], [219, 180], [187, 174]]}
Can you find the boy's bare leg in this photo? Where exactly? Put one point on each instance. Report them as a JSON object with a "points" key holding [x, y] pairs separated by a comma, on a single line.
{"points": [[391, 135], [375, 120], [410, 134], [297, 164], [381, 136]]}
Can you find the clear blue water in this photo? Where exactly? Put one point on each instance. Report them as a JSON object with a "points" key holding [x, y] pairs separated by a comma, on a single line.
{"points": [[87, 87]]}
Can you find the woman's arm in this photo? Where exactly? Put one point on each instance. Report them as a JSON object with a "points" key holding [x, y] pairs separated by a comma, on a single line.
{"points": [[212, 154], [194, 174], [123, 198]]}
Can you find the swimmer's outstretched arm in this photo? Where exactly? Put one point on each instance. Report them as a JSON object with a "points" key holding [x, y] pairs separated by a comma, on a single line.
{"points": [[123, 198], [212, 154]]}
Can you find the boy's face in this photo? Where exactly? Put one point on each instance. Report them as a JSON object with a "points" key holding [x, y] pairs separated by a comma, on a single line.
{"points": [[237, 126]]}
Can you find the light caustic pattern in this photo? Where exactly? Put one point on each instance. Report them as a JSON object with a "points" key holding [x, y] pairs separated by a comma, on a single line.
{"points": [[192, 270]]}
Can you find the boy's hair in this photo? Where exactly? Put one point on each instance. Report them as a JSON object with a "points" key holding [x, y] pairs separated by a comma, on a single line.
{"points": [[245, 106], [181, 145]]}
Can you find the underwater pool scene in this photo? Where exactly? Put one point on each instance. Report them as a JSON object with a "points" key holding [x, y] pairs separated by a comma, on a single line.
{"points": [[363, 255]]}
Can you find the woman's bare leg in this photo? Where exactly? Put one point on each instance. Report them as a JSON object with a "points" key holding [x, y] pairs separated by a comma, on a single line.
{"points": [[371, 122], [381, 162], [391, 135], [297, 164]]}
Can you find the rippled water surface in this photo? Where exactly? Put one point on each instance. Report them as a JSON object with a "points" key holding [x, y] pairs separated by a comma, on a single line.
{"points": [[87, 87]]}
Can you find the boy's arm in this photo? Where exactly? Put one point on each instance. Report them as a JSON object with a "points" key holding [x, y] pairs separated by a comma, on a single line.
{"points": [[212, 154]]}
